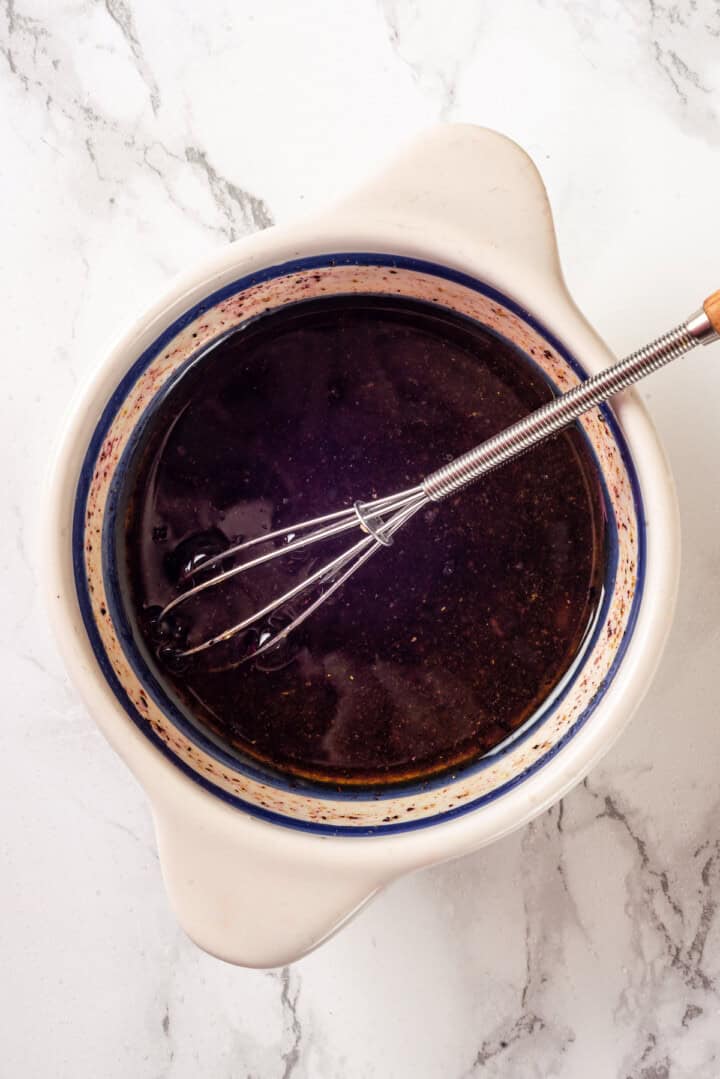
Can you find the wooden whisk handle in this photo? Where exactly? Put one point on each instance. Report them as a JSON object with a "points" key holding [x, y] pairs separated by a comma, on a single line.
{"points": [[711, 307]]}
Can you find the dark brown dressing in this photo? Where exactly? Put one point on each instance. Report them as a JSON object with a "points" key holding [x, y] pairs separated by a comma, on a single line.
{"points": [[442, 645]]}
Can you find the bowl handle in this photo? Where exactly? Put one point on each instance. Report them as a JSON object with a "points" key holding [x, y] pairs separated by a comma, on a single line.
{"points": [[249, 892], [464, 187]]}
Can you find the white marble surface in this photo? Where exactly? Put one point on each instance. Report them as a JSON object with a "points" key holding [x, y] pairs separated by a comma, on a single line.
{"points": [[136, 136]]}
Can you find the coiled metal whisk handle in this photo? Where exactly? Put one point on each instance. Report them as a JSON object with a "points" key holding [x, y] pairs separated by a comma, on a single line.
{"points": [[701, 328]]}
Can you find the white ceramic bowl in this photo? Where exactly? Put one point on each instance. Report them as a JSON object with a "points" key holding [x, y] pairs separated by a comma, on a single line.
{"points": [[261, 871]]}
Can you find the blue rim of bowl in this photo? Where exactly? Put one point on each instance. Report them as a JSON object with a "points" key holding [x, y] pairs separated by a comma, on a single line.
{"points": [[153, 688]]}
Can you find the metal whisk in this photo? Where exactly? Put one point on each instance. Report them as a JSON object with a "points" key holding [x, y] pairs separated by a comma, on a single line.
{"points": [[379, 519]]}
